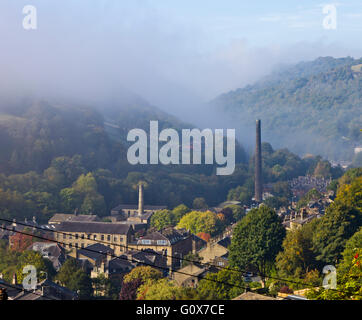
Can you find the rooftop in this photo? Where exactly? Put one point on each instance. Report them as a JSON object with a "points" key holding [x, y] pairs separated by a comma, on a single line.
{"points": [[94, 227], [253, 296], [62, 217], [96, 251]]}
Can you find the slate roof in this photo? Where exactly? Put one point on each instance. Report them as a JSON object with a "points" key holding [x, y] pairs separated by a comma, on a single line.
{"points": [[119, 265], [96, 251], [147, 256], [11, 290], [225, 242], [62, 217], [47, 290], [94, 227], [58, 290], [169, 234], [50, 250]]}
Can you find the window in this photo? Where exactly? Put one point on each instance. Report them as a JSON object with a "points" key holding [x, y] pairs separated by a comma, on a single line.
{"points": [[89, 236], [102, 237], [82, 236], [220, 263], [95, 237], [76, 235], [70, 236], [120, 239], [82, 245], [115, 239], [70, 245], [145, 241], [64, 236], [162, 242], [76, 245], [108, 238]]}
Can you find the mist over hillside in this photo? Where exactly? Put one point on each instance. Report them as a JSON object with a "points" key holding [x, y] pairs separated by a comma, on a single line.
{"points": [[312, 107]]}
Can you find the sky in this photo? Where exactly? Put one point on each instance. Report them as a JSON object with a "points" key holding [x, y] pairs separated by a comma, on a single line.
{"points": [[176, 54]]}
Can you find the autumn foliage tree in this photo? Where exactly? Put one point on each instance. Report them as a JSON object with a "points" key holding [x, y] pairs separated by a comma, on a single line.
{"points": [[204, 236], [129, 289], [342, 219], [207, 222], [144, 273]]}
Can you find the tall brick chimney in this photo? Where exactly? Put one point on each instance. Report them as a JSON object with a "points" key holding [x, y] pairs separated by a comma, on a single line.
{"points": [[258, 169], [140, 199]]}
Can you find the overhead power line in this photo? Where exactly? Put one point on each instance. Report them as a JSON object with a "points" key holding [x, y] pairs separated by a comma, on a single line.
{"points": [[127, 259], [242, 272]]}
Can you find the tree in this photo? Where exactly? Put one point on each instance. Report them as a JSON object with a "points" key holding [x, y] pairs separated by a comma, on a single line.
{"points": [[256, 240], [164, 289], [129, 289], [143, 273], [178, 212], [323, 169], [72, 276], [93, 203], [311, 195], [161, 219], [242, 193], [282, 189], [204, 236], [200, 203], [350, 250], [206, 222], [297, 257], [71, 199], [191, 258], [224, 285], [276, 202], [86, 183], [82, 284], [33, 258], [237, 212], [342, 219], [349, 284]]}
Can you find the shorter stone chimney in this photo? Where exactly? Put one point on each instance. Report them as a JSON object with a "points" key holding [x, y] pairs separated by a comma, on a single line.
{"points": [[140, 199]]}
